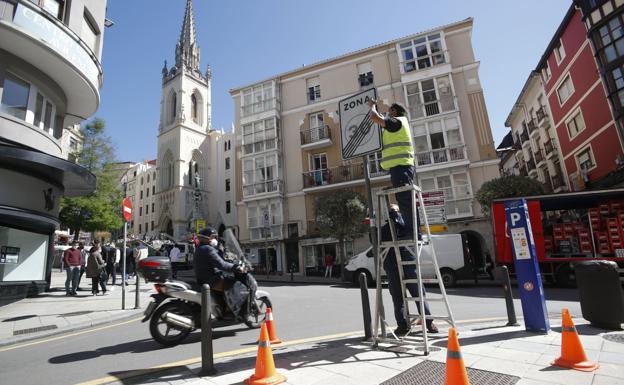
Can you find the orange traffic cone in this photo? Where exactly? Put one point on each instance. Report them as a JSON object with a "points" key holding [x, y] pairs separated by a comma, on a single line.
{"points": [[455, 369], [572, 353], [271, 327], [265, 367]]}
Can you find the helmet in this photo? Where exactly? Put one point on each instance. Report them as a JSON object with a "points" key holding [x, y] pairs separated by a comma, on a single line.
{"points": [[207, 232]]}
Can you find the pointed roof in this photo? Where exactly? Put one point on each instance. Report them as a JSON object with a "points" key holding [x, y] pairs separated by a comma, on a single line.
{"points": [[187, 35], [187, 50]]}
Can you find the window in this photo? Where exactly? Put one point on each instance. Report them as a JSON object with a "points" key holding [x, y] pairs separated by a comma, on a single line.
{"points": [[147, 193], [152, 225], [148, 178], [227, 184], [457, 191], [317, 127], [139, 227], [259, 136], [152, 208], [318, 169], [422, 53], [618, 81], [260, 174], [575, 124], [141, 181], [611, 42], [173, 104], [89, 32], [559, 52], [141, 192], [73, 143], [140, 210], [258, 99], [430, 97], [565, 90], [15, 96], [585, 159], [53, 7], [227, 207], [314, 89], [227, 163], [293, 230], [365, 74], [255, 218], [153, 190], [194, 114], [546, 74]]}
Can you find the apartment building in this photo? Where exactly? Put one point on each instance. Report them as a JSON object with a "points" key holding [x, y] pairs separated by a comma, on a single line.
{"points": [[50, 77], [290, 149], [139, 183], [71, 142]]}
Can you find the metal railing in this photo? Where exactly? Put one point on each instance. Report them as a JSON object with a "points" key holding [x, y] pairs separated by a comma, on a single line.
{"points": [[541, 114], [548, 147], [435, 107], [268, 186], [524, 136], [557, 181], [315, 134], [538, 155], [531, 126], [442, 155], [339, 174], [257, 107], [530, 164]]}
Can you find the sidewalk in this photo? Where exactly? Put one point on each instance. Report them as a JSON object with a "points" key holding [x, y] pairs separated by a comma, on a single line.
{"points": [[493, 354], [53, 313]]}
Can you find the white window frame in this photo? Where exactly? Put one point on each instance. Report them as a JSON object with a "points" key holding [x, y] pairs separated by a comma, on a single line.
{"points": [[559, 52], [420, 98], [546, 74], [313, 89], [563, 82], [90, 33], [256, 133], [591, 155], [258, 98], [312, 157], [258, 175], [411, 45], [577, 113]]}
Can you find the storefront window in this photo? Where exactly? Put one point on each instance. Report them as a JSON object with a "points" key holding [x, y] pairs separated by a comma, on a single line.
{"points": [[22, 255]]}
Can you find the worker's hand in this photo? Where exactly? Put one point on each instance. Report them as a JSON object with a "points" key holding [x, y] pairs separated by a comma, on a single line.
{"points": [[372, 103]]}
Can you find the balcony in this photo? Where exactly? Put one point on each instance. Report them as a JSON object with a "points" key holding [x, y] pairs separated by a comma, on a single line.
{"points": [[549, 148], [441, 155], [539, 156], [524, 136], [315, 137], [530, 165], [435, 107], [542, 117], [270, 186], [42, 40], [339, 174], [557, 181], [258, 107], [532, 127]]}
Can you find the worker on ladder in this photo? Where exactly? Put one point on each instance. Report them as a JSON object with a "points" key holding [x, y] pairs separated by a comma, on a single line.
{"points": [[397, 157], [409, 272]]}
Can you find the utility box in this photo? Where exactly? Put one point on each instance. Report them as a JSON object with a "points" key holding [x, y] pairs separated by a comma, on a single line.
{"points": [[600, 292]]}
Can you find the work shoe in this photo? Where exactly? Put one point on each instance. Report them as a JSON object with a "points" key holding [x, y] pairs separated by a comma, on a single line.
{"points": [[401, 330], [432, 328]]}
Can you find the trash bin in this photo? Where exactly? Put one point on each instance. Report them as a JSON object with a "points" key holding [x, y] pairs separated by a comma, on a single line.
{"points": [[600, 292]]}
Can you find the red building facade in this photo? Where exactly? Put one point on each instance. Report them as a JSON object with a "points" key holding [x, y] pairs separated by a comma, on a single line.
{"points": [[584, 124]]}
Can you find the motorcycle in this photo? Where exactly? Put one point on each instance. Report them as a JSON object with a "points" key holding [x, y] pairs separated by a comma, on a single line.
{"points": [[175, 310]]}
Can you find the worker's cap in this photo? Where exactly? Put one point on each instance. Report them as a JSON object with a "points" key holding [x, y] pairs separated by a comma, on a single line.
{"points": [[207, 232], [398, 108]]}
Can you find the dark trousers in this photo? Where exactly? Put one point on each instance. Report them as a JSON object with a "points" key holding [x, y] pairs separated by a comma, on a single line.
{"points": [[110, 269], [400, 176], [94, 285], [394, 285]]}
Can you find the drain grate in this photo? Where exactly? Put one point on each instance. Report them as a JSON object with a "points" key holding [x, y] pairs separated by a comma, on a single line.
{"points": [[432, 373], [34, 330], [619, 338]]}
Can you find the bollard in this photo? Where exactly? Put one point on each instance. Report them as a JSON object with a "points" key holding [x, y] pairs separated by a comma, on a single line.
{"points": [[366, 312], [208, 368], [137, 300], [502, 274]]}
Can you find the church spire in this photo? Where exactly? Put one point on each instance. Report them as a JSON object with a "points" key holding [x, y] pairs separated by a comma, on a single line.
{"points": [[187, 51]]}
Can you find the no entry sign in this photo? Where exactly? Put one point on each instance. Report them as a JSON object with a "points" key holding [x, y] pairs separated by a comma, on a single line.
{"points": [[358, 133], [126, 209]]}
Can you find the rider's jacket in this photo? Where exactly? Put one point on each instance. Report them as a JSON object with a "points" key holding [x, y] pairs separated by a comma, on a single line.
{"points": [[209, 265]]}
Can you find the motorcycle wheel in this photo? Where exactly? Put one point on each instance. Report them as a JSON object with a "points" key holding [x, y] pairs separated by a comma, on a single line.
{"points": [[256, 316], [161, 331]]}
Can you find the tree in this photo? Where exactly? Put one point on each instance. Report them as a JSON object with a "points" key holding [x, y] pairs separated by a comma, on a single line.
{"points": [[507, 187], [101, 209], [339, 215]]}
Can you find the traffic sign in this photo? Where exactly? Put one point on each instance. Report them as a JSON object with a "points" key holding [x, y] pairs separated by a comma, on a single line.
{"points": [[126, 209], [435, 207], [359, 135]]}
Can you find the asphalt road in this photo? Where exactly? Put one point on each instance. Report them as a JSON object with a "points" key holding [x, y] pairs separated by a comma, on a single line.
{"points": [[300, 311]]}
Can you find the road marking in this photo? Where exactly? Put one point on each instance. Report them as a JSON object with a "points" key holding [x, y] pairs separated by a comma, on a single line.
{"points": [[251, 349], [37, 342]]}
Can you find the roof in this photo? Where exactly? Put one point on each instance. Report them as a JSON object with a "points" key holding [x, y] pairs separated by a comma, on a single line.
{"points": [[322, 62], [506, 142]]}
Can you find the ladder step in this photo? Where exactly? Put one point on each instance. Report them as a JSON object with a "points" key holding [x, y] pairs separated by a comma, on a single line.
{"points": [[402, 242], [428, 299], [422, 263], [425, 280], [394, 190]]}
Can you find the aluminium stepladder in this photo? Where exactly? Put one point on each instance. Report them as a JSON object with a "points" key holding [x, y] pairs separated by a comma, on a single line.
{"points": [[414, 247]]}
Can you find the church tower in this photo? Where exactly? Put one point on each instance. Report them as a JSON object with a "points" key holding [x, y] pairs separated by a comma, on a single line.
{"points": [[184, 138]]}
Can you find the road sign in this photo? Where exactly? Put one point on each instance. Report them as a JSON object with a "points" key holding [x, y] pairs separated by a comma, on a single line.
{"points": [[359, 135], [435, 207], [527, 269], [126, 209], [199, 225]]}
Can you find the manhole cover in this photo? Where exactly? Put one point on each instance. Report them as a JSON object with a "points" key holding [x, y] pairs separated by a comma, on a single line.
{"points": [[619, 337], [34, 330], [76, 313], [432, 373]]}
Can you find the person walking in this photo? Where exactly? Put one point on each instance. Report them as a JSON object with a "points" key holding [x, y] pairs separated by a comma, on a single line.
{"points": [[329, 264], [111, 263], [397, 157], [83, 262], [96, 270], [71, 261]]}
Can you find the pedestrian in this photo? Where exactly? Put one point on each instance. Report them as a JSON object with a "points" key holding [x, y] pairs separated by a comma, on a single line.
{"points": [[83, 262], [111, 263], [329, 264], [397, 157], [96, 270], [129, 263], [394, 280], [71, 262]]}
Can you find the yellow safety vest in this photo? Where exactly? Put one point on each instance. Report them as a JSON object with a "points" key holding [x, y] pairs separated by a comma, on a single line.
{"points": [[397, 146]]}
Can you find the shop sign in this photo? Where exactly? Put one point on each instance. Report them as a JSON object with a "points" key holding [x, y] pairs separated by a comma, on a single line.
{"points": [[9, 254]]}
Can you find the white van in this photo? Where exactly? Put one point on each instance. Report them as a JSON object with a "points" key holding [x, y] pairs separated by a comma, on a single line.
{"points": [[449, 253]]}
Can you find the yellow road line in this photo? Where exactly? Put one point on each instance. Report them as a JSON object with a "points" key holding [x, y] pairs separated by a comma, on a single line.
{"points": [[251, 349], [37, 342]]}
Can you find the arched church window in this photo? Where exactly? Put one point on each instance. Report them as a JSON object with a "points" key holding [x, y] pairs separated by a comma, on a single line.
{"points": [[190, 173], [194, 108], [173, 103]]}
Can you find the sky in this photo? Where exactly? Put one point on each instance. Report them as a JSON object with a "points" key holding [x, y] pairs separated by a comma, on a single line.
{"points": [[246, 41]]}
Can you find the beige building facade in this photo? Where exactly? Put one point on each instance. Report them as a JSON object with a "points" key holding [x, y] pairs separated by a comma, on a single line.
{"points": [[290, 142]]}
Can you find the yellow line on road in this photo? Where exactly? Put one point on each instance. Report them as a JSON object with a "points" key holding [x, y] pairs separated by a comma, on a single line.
{"points": [[37, 342], [230, 353]]}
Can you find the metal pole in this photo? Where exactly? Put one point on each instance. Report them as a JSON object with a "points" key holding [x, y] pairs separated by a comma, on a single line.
{"points": [[206, 333], [123, 268], [371, 211], [366, 312], [503, 276], [137, 300]]}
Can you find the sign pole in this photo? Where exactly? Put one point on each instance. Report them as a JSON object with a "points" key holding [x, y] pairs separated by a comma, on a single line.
{"points": [[123, 268], [371, 210]]}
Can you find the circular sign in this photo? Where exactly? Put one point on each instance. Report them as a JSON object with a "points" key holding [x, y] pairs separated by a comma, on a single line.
{"points": [[126, 209], [528, 286]]}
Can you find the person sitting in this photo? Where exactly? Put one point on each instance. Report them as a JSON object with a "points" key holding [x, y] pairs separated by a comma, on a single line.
{"points": [[209, 265]]}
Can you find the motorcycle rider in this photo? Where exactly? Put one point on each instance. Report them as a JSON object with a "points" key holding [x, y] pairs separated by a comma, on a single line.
{"points": [[209, 265]]}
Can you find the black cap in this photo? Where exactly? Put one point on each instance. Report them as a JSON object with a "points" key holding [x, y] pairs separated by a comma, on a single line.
{"points": [[207, 232], [399, 109]]}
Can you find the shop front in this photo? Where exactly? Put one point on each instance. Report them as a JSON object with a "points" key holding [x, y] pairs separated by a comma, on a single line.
{"points": [[319, 252], [265, 257]]}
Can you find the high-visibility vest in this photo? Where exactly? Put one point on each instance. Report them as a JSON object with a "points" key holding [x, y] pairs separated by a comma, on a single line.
{"points": [[397, 146]]}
